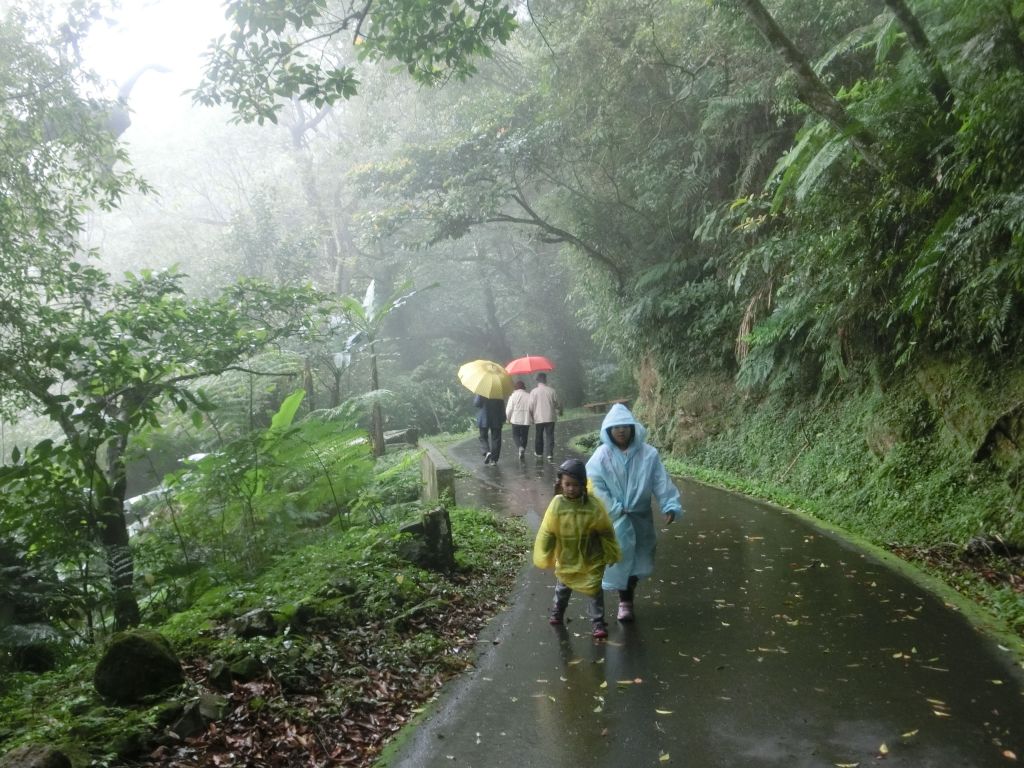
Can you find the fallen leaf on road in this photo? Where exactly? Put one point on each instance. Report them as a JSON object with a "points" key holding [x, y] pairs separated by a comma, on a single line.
{"points": [[663, 711], [883, 750], [1009, 755], [663, 757], [908, 734]]}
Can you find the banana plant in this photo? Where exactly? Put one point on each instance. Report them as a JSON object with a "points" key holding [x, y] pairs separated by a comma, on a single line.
{"points": [[367, 320]]}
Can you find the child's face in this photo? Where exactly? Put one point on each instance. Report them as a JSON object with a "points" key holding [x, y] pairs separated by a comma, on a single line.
{"points": [[571, 487], [621, 435]]}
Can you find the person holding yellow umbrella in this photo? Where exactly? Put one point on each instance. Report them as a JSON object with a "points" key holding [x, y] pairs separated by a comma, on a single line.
{"points": [[491, 384], [490, 417]]}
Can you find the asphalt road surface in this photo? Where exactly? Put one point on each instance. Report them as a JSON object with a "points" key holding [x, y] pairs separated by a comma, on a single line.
{"points": [[760, 641]]}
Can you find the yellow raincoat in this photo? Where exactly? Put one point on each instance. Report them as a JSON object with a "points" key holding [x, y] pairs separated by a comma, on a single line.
{"points": [[576, 538]]}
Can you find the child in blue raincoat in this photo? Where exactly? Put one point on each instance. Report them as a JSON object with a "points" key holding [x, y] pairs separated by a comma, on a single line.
{"points": [[577, 540], [627, 474]]}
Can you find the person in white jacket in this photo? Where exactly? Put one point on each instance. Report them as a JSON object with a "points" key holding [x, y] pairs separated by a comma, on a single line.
{"points": [[544, 409], [517, 411]]}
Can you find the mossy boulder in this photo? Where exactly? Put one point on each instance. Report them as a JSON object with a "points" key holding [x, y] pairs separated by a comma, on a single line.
{"points": [[247, 668], [35, 756], [137, 664], [257, 623]]}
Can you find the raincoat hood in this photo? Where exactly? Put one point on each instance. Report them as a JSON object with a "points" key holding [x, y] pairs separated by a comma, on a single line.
{"points": [[621, 416]]}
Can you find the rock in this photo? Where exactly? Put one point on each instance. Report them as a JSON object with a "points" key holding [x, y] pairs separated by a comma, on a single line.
{"points": [[259, 622], [431, 545], [248, 668], [35, 756], [191, 723], [213, 707], [129, 744], [137, 664], [303, 618], [193, 717], [34, 657], [168, 713], [981, 547], [219, 675]]}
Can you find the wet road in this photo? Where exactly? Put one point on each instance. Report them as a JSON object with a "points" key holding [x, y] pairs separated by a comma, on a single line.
{"points": [[761, 641]]}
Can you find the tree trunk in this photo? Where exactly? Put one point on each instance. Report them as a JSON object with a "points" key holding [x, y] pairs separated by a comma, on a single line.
{"points": [[497, 344], [811, 90], [377, 418], [938, 83], [113, 534], [308, 385], [1010, 34], [336, 389]]}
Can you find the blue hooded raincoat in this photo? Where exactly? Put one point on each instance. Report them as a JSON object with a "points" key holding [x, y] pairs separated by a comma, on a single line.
{"points": [[627, 481]]}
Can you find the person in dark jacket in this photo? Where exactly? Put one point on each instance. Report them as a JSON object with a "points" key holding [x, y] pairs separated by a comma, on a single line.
{"points": [[489, 419]]}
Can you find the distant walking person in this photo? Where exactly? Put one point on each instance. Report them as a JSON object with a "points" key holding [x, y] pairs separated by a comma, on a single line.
{"points": [[517, 411], [627, 474], [576, 538], [490, 419], [544, 409]]}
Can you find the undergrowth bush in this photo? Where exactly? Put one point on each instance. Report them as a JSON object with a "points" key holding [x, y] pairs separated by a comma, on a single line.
{"points": [[913, 491], [350, 578]]}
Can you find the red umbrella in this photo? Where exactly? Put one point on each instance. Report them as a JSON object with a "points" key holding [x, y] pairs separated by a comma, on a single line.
{"points": [[529, 364]]}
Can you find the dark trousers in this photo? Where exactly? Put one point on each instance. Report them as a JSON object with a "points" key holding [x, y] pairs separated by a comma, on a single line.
{"points": [[490, 442], [544, 436], [626, 595], [595, 604], [521, 435]]}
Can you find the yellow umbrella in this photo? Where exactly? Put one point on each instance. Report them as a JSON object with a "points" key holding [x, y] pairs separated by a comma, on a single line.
{"points": [[487, 379]]}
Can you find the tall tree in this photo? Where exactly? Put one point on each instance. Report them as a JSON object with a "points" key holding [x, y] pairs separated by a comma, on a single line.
{"points": [[277, 50], [812, 91], [938, 82], [97, 358], [107, 360]]}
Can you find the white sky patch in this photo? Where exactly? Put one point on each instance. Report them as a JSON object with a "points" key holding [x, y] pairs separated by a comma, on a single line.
{"points": [[167, 33]]}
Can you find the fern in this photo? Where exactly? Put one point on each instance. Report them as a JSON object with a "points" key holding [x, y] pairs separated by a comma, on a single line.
{"points": [[790, 167], [819, 166]]}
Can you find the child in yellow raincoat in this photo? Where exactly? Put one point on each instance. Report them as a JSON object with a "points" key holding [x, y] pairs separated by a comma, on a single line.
{"points": [[577, 539]]}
